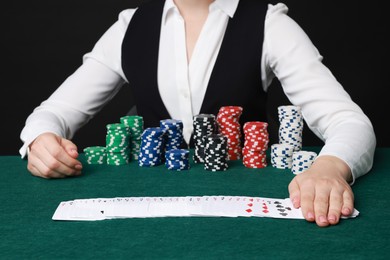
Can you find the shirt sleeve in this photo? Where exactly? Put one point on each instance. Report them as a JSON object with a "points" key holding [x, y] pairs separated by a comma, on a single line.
{"points": [[83, 93], [327, 108]]}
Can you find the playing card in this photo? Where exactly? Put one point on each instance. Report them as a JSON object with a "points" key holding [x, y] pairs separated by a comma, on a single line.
{"points": [[62, 211], [207, 206], [226, 206], [78, 210], [283, 208], [240, 206], [261, 208], [194, 205], [168, 207], [90, 208], [129, 207]]}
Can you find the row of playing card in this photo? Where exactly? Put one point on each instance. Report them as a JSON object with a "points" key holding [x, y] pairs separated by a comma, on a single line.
{"points": [[188, 206]]}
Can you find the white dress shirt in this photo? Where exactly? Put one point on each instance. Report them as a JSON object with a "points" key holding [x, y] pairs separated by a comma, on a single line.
{"points": [[288, 54]]}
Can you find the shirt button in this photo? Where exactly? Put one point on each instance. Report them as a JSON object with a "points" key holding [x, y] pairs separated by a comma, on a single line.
{"points": [[185, 94]]}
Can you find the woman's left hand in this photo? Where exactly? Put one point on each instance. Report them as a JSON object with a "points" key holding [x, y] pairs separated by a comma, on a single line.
{"points": [[323, 192]]}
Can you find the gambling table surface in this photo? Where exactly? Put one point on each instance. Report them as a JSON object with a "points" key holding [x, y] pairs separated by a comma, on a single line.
{"points": [[28, 204]]}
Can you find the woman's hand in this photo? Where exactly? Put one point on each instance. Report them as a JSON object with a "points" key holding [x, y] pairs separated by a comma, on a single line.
{"points": [[52, 156], [323, 191]]}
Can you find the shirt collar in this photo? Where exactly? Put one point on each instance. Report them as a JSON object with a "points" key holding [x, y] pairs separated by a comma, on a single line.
{"points": [[227, 6]]}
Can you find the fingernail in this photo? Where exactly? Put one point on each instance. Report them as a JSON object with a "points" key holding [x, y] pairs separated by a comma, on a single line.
{"points": [[78, 166], [332, 218], [310, 215], [346, 211], [323, 219], [74, 151], [294, 202]]}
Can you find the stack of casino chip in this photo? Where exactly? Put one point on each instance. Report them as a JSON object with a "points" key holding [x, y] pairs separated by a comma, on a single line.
{"points": [[228, 124], [216, 152], [173, 133], [117, 144], [177, 159], [95, 154], [204, 125], [152, 145], [136, 127], [302, 160], [282, 156], [291, 126], [255, 144]]}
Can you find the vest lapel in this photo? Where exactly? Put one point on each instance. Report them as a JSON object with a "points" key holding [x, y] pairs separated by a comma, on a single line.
{"points": [[236, 76], [140, 60]]}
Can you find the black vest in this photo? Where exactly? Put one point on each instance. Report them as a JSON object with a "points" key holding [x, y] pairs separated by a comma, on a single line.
{"points": [[235, 79]]}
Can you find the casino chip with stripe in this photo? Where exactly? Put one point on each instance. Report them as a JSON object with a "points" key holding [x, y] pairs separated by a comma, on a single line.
{"points": [[291, 126], [177, 159], [282, 156], [302, 160], [215, 152], [95, 154], [117, 144], [136, 126], [204, 125], [288, 153], [255, 144], [152, 145], [228, 124], [173, 133]]}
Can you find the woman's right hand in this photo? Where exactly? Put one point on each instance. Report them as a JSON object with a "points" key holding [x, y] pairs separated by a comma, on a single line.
{"points": [[52, 156]]}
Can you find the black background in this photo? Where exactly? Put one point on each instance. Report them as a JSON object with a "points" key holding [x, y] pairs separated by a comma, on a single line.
{"points": [[43, 43]]}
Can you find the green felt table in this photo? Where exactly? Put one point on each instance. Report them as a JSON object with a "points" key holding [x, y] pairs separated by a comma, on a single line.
{"points": [[28, 203]]}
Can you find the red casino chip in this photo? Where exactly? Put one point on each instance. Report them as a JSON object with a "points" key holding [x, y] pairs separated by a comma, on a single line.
{"points": [[255, 144], [228, 125]]}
